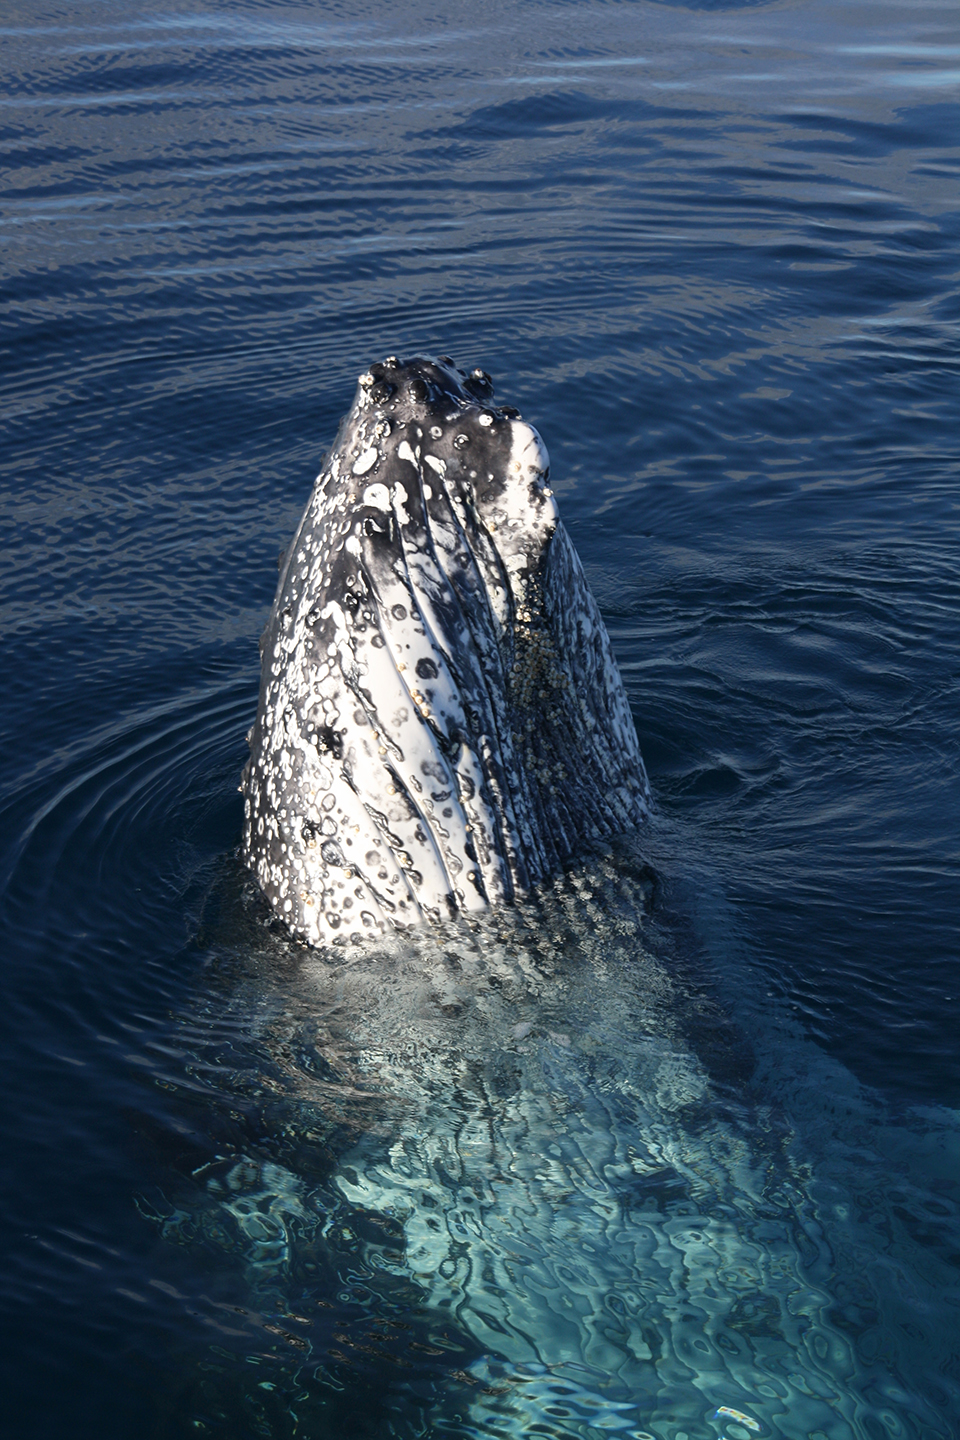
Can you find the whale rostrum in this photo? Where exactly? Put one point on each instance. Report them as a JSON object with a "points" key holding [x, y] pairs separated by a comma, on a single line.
{"points": [[441, 722]]}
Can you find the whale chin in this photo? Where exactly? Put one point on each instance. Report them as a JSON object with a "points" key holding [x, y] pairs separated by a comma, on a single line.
{"points": [[441, 722]]}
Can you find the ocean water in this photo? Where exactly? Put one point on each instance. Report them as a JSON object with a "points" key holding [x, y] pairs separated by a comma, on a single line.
{"points": [[711, 251]]}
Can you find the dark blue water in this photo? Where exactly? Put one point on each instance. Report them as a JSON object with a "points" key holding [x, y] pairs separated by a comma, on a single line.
{"points": [[711, 251]]}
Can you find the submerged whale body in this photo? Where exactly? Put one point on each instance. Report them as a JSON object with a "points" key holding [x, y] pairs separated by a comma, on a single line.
{"points": [[504, 1176], [518, 1171], [441, 722]]}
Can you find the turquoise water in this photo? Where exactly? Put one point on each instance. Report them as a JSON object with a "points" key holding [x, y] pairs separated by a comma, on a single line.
{"points": [[710, 251]]}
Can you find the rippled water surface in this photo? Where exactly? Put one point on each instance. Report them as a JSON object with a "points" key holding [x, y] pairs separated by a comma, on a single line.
{"points": [[711, 251]]}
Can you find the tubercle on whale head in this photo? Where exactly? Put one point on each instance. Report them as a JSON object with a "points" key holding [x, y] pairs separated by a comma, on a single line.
{"points": [[441, 723], [444, 418], [483, 459]]}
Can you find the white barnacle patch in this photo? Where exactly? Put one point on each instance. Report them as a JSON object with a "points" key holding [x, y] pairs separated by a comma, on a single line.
{"points": [[405, 453], [437, 464], [378, 497], [366, 461], [523, 516], [400, 496], [528, 450]]}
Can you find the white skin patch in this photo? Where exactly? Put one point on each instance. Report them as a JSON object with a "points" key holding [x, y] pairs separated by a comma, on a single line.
{"points": [[399, 497], [527, 503], [366, 461], [378, 496]]}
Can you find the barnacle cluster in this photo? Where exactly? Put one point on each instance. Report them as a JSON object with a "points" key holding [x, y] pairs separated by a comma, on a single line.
{"points": [[538, 687], [537, 676]]}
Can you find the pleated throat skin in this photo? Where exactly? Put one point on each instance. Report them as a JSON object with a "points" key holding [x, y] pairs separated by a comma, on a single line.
{"points": [[441, 721]]}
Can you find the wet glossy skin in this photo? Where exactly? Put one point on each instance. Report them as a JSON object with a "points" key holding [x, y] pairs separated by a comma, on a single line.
{"points": [[441, 721]]}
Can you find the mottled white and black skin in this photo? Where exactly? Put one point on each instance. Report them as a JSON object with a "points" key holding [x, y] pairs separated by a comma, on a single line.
{"points": [[441, 721]]}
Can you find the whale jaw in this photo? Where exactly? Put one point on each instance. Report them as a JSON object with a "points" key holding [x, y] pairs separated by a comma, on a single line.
{"points": [[441, 722]]}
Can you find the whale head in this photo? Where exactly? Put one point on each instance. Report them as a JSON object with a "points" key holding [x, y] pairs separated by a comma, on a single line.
{"points": [[441, 722]]}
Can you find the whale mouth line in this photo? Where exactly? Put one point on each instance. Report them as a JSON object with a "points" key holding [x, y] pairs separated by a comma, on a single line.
{"points": [[441, 721]]}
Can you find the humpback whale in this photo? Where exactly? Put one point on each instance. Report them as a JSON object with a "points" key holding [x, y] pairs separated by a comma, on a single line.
{"points": [[510, 1135], [441, 721]]}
